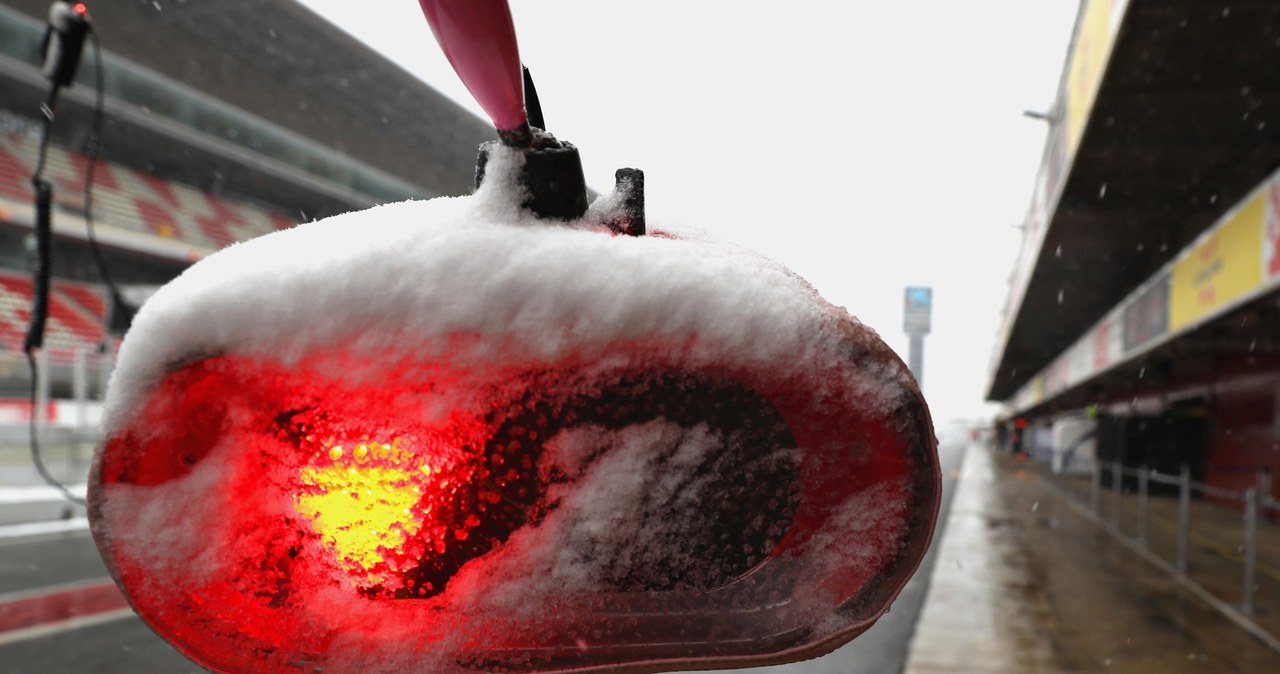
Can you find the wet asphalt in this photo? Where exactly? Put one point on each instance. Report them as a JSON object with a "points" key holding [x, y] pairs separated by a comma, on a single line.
{"points": [[1028, 582]]}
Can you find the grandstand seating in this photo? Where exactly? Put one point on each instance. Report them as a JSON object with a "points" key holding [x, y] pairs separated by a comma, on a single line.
{"points": [[133, 200], [125, 199], [77, 314]]}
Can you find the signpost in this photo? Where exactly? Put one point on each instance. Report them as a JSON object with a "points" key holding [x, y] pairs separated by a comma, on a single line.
{"points": [[917, 314]]}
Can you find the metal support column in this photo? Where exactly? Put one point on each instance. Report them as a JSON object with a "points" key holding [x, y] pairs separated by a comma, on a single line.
{"points": [[1184, 516], [915, 357], [1095, 488], [80, 393], [1142, 506], [42, 397], [1250, 549], [1117, 476], [106, 363]]}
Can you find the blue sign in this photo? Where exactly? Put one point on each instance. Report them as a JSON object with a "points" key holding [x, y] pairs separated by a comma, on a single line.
{"points": [[917, 310], [920, 297]]}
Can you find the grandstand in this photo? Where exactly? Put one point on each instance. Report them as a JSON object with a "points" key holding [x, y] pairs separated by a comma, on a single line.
{"points": [[130, 203], [77, 312], [213, 133]]}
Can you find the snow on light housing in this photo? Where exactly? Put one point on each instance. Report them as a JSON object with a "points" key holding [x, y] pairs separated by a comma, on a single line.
{"points": [[474, 442]]}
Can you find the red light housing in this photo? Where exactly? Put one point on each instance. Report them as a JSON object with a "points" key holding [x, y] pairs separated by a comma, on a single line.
{"points": [[520, 486]]}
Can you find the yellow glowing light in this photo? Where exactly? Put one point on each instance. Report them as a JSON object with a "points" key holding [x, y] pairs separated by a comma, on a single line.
{"points": [[364, 511]]}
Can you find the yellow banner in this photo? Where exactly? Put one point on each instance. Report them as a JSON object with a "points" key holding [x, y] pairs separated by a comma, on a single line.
{"points": [[1088, 59], [1220, 268]]}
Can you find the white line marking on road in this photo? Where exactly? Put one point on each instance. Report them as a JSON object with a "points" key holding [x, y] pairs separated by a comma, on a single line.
{"points": [[50, 629], [37, 494], [40, 528], [52, 589]]}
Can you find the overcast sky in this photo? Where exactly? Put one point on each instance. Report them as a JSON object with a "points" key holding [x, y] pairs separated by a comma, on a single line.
{"points": [[868, 146]]}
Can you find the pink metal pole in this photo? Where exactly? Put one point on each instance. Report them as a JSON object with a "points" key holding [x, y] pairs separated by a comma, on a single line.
{"points": [[479, 40]]}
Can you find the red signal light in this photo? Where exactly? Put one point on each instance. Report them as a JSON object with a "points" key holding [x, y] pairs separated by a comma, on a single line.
{"points": [[386, 497], [80, 8], [333, 505]]}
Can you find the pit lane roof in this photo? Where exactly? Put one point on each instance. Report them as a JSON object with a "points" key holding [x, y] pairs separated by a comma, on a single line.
{"points": [[1168, 114]]}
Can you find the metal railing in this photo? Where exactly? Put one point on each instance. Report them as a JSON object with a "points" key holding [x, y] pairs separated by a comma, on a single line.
{"points": [[1233, 526], [66, 413]]}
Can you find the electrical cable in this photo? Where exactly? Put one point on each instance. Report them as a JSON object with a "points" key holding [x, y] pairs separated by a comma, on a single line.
{"points": [[40, 290], [60, 69], [92, 150], [533, 107], [36, 457], [40, 303]]}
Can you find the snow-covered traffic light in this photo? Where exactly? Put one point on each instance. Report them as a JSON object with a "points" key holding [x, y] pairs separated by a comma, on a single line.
{"points": [[454, 436], [474, 446]]}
